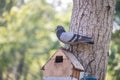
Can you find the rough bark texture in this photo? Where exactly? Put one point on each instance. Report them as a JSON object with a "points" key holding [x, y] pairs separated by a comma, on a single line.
{"points": [[93, 18]]}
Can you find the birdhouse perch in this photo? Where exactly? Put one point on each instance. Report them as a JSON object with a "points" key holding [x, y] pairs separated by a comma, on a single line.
{"points": [[63, 65]]}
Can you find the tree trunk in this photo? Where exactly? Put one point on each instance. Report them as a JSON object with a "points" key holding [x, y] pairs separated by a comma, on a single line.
{"points": [[93, 18], [20, 68], [1, 75]]}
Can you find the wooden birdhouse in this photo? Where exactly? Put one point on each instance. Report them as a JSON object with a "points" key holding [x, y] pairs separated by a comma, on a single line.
{"points": [[63, 65]]}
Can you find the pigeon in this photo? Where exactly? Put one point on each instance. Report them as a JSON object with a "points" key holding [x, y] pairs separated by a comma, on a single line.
{"points": [[71, 38]]}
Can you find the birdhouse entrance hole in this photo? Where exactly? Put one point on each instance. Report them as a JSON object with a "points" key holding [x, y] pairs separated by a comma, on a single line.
{"points": [[59, 59]]}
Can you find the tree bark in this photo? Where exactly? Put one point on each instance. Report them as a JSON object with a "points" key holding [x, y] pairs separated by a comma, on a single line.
{"points": [[20, 67], [93, 18]]}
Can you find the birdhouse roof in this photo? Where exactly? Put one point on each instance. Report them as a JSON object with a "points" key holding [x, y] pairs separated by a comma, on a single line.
{"points": [[74, 61]]}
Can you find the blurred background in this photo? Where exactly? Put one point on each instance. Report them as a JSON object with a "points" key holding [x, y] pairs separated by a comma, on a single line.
{"points": [[27, 37]]}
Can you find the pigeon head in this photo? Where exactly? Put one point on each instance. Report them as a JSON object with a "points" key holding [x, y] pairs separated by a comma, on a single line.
{"points": [[59, 28]]}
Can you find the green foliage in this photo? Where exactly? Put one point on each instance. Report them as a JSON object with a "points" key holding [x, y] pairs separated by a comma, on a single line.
{"points": [[118, 8], [117, 13], [5, 6], [28, 39], [114, 59]]}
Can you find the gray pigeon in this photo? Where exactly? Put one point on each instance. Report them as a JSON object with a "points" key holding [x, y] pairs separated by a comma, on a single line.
{"points": [[71, 38]]}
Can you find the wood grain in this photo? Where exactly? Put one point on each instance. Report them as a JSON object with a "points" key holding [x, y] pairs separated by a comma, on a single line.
{"points": [[92, 18], [63, 69]]}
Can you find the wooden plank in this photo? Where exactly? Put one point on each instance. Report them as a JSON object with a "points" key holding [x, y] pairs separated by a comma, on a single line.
{"points": [[74, 60], [76, 73], [66, 55], [58, 69], [59, 52], [63, 69]]}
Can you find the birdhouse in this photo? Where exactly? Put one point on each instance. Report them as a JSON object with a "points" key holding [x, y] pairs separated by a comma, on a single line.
{"points": [[63, 65]]}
